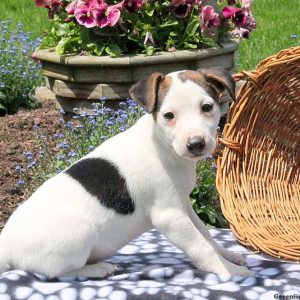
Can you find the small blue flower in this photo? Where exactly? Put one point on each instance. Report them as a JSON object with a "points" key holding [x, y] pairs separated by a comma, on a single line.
{"points": [[122, 128], [108, 110], [103, 99], [21, 182], [83, 114], [122, 104], [18, 168], [294, 36], [109, 122], [91, 147], [28, 155], [69, 124], [103, 137], [42, 136], [60, 156], [32, 164], [72, 154], [92, 121], [79, 126], [64, 145]]}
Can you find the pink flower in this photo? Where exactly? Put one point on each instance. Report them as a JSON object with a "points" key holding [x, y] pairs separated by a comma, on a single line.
{"points": [[181, 8], [84, 12], [209, 18], [236, 15], [240, 33], [133, 5], [241, 17], [105, 15], [71, 7], [53, 6]]}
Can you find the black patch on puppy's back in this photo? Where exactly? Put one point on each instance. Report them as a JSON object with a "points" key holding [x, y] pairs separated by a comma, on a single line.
{"points": [[102, 179]]}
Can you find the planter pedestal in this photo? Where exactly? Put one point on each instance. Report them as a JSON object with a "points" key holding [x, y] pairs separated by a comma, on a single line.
{"points": [[79, 81]]}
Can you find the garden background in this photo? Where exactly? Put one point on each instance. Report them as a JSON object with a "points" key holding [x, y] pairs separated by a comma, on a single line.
{"points": [[21, 147]]}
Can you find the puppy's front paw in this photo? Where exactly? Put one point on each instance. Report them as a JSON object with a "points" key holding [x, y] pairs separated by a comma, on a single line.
{"points": [[235, 258], [231, 269]]}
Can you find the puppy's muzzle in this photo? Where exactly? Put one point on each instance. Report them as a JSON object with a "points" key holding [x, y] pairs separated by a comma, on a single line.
{"points": [[195, 144]]}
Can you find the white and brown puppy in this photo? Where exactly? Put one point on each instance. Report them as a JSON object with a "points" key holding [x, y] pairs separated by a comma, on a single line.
{"points": [[138, 180]]}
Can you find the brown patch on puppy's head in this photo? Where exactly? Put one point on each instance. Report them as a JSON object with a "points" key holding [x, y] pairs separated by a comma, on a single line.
{"points": [[150, 92], [213, 81]]}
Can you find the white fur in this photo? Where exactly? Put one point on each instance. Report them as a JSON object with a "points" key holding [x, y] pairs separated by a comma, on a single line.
{"points": [[62, 227]]}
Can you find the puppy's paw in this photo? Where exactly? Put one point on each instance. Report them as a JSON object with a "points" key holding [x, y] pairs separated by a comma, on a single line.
{"points": [[240, 271], [98, 270], [231, 269], [235, 258]]}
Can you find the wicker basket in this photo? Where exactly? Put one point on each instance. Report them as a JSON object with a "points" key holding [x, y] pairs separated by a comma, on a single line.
{"points": [[258, 174]]}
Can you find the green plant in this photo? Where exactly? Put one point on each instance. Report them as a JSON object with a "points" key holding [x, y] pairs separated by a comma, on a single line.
{"points": [[80, 135], [204, 197], [111, 27], [19, 73]]}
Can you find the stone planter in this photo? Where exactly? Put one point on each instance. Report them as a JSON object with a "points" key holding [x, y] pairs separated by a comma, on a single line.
{"points": [[78, 81]]}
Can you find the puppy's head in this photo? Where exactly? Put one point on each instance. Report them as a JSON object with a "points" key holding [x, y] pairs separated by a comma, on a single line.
{"points": [[185, 105]]}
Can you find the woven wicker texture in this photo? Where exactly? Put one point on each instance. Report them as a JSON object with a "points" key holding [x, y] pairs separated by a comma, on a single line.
{"points": [[258, 175]]}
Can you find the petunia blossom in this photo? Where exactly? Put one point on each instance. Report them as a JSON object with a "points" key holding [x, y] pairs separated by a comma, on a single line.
{"points": [[210, 19]]}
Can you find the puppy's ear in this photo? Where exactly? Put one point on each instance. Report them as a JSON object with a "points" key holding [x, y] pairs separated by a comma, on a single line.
{"points": [[220, 80], [145, 91]]}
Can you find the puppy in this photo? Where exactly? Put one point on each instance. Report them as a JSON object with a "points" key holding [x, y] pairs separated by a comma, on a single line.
{"points": [[137, 180]]}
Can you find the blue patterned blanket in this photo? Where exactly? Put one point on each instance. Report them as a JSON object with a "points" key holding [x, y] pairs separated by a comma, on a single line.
{"points": [[151, 268]]}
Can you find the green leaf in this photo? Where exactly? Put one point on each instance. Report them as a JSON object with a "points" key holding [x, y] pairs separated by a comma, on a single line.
{"points": [[2, 96], [60, 48], [192, 27], [149, 50], [189, 46], [169, 23], [150, 12], [113, 50], [212, 217], [59, 164], [61, 28]]}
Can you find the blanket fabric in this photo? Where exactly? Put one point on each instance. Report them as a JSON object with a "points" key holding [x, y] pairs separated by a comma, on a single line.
{"points": [[151, 268]]}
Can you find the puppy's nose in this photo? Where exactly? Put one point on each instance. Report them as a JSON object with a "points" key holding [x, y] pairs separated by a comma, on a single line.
{"points": [[195, 144]]}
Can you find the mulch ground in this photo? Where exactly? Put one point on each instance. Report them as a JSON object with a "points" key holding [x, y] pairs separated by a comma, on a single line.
{"points": [[17, 136]]}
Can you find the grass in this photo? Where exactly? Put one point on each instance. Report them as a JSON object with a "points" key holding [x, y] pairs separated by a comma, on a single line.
{"points": [[26, 12], [277, 21]]}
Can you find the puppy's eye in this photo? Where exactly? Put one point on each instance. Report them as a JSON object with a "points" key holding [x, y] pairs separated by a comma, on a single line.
{"points": [[169, 115], [207, 107]]}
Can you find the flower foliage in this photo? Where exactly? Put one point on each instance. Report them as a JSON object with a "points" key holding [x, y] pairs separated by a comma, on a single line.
{"points": [[108, 27], [19, 73]]}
